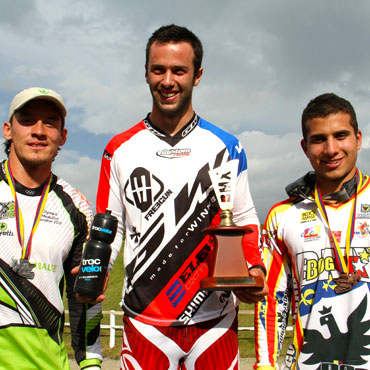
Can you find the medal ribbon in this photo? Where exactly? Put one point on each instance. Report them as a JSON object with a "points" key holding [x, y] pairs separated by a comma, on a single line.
{"points": [[342, 263], [26, 250]]}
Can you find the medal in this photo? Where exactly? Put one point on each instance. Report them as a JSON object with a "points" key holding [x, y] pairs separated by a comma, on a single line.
{"points": [[345, 282], [23, 268], [348, 278]]}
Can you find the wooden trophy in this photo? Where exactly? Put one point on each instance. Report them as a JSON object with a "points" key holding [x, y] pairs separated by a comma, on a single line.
{"points": [[229, 268]]}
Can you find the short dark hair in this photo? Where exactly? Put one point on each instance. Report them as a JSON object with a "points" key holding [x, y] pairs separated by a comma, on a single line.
{"points": [[324, 105], [173, 33]]}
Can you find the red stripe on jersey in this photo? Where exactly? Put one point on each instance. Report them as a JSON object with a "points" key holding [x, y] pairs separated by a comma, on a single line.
{"points": [[102, 197], [175, 296]]}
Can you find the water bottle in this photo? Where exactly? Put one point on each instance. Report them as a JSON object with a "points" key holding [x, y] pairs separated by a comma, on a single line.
{"points": [[96, 255]]}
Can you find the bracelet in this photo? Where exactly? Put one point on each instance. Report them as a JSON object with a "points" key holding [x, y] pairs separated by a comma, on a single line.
{"points": [[259, 267]]}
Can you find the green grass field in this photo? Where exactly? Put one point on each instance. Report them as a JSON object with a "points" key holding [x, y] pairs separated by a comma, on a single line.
{"points": [[113, 294]]}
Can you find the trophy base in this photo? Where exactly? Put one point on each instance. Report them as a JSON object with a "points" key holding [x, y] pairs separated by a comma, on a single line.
{"points": [[231, 282]]}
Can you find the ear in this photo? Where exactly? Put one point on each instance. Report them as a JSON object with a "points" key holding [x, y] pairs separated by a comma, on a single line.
{"points": [[7, 130], [359, 139], [304, 146], [63, 137], [198, 77], [146, 73]]}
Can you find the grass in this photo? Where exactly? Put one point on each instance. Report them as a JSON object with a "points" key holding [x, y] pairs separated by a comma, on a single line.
{"points": [[113, 294]]}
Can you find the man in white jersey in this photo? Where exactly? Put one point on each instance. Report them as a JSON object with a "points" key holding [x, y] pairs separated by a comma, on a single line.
{"points": [[317, 252], [155, 179], [44, 222]]}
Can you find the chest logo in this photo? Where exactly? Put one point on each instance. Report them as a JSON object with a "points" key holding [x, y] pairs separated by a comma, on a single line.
{"points": [[311, 233], [173, 153], [309, 216]]}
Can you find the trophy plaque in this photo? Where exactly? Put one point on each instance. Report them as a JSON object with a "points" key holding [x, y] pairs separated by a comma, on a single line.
{"points": [[228, 268]]}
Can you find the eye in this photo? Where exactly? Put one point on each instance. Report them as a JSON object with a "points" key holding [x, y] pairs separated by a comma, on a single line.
{"points": [[179, 71], [341, 135], [157, 70], [317, 139]]}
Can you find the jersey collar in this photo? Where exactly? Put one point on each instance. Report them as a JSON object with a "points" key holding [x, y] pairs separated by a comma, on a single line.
{"points": [[172, 140]]}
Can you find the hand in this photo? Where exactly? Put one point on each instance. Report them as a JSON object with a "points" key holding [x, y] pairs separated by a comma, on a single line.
{"points": [[253, 296], [96, 300]]}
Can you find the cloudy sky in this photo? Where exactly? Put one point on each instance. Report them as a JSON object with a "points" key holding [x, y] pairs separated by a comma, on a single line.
{"points": [[264, 60]]}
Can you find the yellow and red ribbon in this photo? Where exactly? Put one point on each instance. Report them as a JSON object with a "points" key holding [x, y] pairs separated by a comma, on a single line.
{"points": [[341, 261], [26, 249]]}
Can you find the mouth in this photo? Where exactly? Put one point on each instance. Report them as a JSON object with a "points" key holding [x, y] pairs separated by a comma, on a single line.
{"points": [[37, 145], [332, 163], [168, 96]]}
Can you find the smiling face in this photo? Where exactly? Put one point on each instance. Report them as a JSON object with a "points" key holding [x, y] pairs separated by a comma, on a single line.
{"points": [[36, 133], [171, 78], [332, 146]]}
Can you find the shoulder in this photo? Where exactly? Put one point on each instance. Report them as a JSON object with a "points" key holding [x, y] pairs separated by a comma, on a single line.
{"points": [[72, 199], [122, 138], [230, 142], [223, 135], [278, 211]]}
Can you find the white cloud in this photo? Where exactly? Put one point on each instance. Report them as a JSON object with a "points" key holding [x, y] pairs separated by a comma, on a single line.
{"points": [[80, 171]]}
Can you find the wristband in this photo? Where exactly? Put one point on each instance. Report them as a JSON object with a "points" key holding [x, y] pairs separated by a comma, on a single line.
{"points": [[259, 267]]}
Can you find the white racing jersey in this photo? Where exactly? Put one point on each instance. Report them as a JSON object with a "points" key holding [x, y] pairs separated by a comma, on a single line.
{"points": [[159, 188], [31, 310], [331, 331]]}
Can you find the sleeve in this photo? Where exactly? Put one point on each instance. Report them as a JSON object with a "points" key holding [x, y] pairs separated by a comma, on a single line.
{"points": [[109, 196], [271, 314], [84, 318]]}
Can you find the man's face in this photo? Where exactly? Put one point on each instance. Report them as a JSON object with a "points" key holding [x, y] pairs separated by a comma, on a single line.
{"points": [[36, 133], [332, 147], [170, 75]]}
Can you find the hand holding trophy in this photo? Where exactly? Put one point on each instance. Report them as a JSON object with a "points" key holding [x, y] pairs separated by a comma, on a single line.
{"points": [[229, 269]]}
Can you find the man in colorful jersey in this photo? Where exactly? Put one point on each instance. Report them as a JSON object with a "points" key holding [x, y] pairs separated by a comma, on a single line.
{"points": [[316, 247], [44, 222], [155, 179]]}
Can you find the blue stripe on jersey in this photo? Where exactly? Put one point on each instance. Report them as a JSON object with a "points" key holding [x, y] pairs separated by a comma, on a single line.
{"points": [[232, 144]]}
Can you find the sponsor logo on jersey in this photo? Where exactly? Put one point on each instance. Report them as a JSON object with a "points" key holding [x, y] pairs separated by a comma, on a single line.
{"points": [[321, 266], [145, 190], [314, 267], [44, 266], [193, 306], [51, 217], [192, 266], [173, 153], [311, 233], [7, 210], [362, 230], [365, 212], [190, 127], [175, 293], [6, 233], [3, 226], [107, 156], [309, 216], [337, 235]]}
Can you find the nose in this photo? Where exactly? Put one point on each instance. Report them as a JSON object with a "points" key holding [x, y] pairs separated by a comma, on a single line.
{"points": [[331, 147], [38, 128], [167, 79]]}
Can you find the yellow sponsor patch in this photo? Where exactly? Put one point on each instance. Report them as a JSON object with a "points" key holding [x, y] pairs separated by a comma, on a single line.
{"points": [[309, 215]]}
